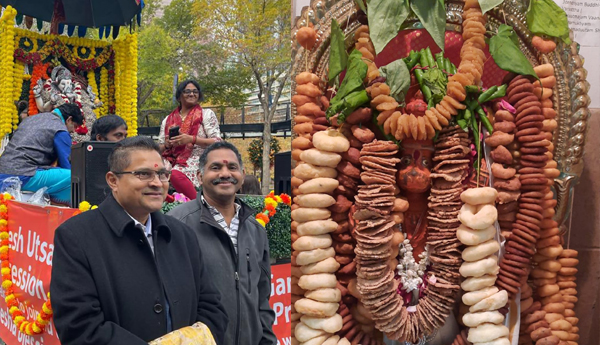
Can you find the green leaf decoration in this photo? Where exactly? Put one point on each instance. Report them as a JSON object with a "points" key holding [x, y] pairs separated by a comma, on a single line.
{"points": [[545, 17], [352, 91], [338, 57], [509, 32], [385, 19], [351, 102], [432, 14], [487, 5], [361, 5], [507, 54], [353, 80], [398, 78], [436, 80]]}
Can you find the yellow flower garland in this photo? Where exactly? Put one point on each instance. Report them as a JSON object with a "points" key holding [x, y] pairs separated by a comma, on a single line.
{"points": [[7, 47], [126, 81], [25, 326], [91, 77], [19, 70], [73, 41], [70, 55], [123, 93], [133, 51], [103, 95]]}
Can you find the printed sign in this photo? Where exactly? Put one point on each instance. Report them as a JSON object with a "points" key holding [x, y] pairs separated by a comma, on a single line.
{"points": [[281, 302], [31, 248]]}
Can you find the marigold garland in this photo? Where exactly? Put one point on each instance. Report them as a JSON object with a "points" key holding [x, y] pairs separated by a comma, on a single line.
{"points": [[91, 77], [7, 46], [18, 72], [133, 51], [103, 93], [116, 61], [271, 202], [60, 46], [126, 81], [28, 327]]}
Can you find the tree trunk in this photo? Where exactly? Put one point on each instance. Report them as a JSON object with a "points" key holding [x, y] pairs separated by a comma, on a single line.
{"points": [[266, 161]]}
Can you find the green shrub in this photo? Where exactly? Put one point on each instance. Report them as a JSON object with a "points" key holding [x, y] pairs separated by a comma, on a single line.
{"points": [[278, 229], [169, 206]]}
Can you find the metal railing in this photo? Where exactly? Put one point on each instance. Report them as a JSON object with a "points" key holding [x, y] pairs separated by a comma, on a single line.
{"points": [[239, 122]]}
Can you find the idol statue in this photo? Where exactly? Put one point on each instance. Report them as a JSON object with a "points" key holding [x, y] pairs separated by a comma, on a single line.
{"points": [[63, 88]]}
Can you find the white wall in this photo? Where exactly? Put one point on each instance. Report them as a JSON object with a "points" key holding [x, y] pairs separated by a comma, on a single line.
{"points": [[297, 8]]}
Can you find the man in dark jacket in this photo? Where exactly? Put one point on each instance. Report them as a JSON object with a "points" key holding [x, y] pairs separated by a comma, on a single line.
{"points": [[228, 234], [125, 273]]}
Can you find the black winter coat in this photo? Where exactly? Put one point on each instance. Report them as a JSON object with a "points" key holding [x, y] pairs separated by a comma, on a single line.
{"points": [[107, 287], [243, 278]]}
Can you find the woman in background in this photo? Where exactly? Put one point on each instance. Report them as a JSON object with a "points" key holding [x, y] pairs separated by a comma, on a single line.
{"points": [[198, 128], [251, 186]]}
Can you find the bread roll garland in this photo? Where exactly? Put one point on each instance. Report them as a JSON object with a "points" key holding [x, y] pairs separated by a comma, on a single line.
{"points": [[486, 323], [315, 294]]}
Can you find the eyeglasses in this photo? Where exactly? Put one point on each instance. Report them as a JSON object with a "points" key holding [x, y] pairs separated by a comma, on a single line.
{"points": [[188, 91], [148, 175]]}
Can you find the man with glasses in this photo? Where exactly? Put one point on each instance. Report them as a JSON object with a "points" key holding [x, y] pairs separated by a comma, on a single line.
{"points": [[125, 273], [228, 233]]}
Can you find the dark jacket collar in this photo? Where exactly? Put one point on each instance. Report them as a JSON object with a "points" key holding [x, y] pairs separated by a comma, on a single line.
{"points": [[205, 215], [118, 220]]}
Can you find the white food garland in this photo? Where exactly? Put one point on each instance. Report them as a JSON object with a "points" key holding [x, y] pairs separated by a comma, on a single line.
{"points": [[411, 273]]}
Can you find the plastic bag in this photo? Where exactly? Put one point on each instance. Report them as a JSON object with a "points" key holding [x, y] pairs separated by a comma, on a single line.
{"points": [[40, 197], [12, 186], [196, 334]]}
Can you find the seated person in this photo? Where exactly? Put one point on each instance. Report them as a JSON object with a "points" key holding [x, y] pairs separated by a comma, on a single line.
{"points": [[37, 143], [109, 128]]}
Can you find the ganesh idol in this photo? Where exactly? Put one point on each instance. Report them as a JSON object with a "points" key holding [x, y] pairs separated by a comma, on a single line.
{"points": [[63, 87]]}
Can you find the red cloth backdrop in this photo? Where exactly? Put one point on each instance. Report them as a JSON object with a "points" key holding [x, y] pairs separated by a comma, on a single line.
{"points": [[408, 40]]}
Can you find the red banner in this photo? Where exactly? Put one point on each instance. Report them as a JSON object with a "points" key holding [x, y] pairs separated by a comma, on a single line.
{"points": [[31, 247], [281, 302]]}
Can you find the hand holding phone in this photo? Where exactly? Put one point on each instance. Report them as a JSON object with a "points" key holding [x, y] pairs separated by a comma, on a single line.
{"points": [[173, 131]]}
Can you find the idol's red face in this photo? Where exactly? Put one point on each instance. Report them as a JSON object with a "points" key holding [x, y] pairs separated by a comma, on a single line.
{"points": [[414, 175]]}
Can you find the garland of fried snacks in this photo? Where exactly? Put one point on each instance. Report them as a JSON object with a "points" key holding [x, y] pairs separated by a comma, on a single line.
{"points": [[469, 72]]}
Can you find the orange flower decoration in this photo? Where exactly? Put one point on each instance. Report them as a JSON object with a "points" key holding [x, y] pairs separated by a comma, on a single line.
{"points": [[286, 199], [263, 217], [39, 71], [270, 209]]}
